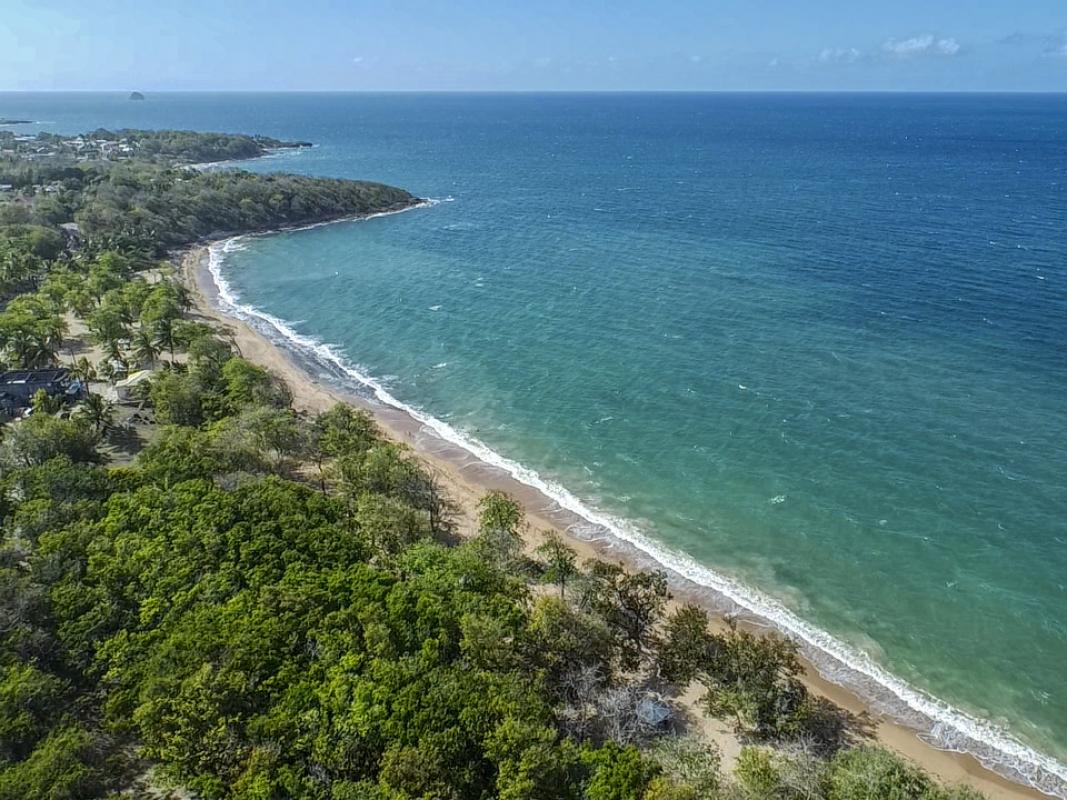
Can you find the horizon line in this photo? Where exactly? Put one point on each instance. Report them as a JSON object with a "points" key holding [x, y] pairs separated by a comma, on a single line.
{"points": [[551, 91]]}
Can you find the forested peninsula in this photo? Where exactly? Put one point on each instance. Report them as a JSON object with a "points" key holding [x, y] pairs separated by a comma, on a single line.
{"points": [[208, 592]]}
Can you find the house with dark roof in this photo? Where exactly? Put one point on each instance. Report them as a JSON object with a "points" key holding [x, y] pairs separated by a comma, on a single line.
{"points": [[17, 387]]}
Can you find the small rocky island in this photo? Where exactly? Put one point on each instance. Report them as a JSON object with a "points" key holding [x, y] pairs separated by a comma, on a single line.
{"points": [[6, 121], [136, 96]]}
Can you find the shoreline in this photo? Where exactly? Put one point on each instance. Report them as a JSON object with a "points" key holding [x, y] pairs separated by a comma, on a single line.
{"points": [[268, 152], [466, 476]]}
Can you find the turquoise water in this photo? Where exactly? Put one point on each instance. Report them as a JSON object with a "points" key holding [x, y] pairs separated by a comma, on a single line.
{"points": [[813, 342]]}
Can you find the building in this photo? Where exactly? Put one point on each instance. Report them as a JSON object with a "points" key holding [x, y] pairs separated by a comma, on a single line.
{"points": [[18, 387], [125, 391]]}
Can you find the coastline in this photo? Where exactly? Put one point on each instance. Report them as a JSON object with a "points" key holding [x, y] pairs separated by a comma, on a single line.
{"points": [[269, 152], [465, 477]]}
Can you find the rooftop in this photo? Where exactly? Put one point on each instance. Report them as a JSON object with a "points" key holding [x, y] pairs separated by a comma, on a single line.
{"points": [[32, 376]]}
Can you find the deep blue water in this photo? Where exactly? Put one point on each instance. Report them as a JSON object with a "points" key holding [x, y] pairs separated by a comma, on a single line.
{"points": [[815, 342]]}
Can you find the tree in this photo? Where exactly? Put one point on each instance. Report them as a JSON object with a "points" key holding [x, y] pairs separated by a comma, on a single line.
{"points": [[631, 605], [560, 561], [386, 469], [207, 353], [258, 438], [500, 520], [80, 301], [530, 764], [757, 773], [622, 714], [574, 650], [107, 273], [43, 437], [30, 701], [498, 512], [97, 412], [144, 350], [389, 525], [617, 773], [180, 454], [161, 303], [691, 763], [108, 326], [756, 679], [661, 788], [44, 403], [871, 772], [163, 335], [83, 370], [177, 399], [31, 331], [248, 384], [686, 646], [30, 350], [70, 764]]}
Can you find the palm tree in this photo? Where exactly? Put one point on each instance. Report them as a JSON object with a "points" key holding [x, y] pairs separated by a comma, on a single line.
{"points": [[98, 412], [31, 350], [165, 338], [114, 354], [83, 370], [145, 352], [181, 293], [106, 370], [53, 330], [113, 365]]}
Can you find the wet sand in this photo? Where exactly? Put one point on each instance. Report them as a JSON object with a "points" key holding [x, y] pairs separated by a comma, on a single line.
{"points": [[465, 479]]}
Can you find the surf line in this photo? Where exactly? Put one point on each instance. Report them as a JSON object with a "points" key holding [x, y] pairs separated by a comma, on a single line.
{"points": [[948, 728]]}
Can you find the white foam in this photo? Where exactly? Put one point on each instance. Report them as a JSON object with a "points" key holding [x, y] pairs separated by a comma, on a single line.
{"points": [[949, 728], [270, 152]]}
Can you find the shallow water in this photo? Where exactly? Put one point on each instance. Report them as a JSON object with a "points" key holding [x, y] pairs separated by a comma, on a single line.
{"points": [[813, 341]]}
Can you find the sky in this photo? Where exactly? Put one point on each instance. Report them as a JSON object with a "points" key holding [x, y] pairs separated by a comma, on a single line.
{"points": [[533, 45]]}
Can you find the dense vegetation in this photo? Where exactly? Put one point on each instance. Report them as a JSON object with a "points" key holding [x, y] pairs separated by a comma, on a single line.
{"points": [[193, 146], [173, 208], [134, 203], [267, 604], [166, 146]]}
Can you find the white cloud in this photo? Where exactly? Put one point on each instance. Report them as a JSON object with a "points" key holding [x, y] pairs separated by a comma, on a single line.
{"points": [[844, 55], [924, 45], [1049, 45], [357, 60], [773, 63], [1056, 46], [948, 47]]}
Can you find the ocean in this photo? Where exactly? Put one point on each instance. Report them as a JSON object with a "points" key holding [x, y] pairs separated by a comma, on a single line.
{"points": [[809, 350]]}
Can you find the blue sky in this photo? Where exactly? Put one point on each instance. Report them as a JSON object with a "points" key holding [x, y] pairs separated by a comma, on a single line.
{"points": [[903, 45]]}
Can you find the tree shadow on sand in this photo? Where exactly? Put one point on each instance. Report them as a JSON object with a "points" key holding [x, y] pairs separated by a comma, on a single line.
{"points": [[827, 729]]}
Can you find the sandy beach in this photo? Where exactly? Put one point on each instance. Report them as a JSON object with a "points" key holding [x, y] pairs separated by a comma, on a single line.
{"points": [[465, 479]]}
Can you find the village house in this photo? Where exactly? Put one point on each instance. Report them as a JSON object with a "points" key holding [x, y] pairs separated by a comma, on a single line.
{"points": [[18, 387]]}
